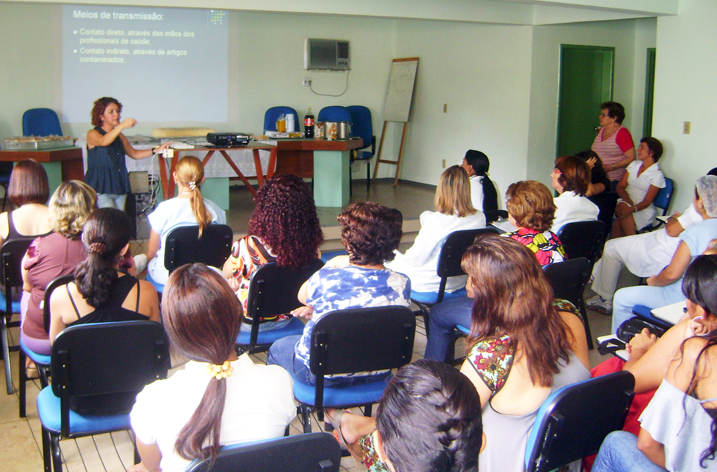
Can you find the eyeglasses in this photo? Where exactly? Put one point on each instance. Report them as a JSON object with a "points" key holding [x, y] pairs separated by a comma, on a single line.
{"points": [[604, 115]]}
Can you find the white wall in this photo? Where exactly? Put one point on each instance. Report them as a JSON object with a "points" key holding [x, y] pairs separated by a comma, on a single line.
{"points": [[686, 75], [545, 82], [481, 72]]}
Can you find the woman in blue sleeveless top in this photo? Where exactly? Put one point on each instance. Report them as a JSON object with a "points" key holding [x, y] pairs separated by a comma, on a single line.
{"points": [[106, 148]]}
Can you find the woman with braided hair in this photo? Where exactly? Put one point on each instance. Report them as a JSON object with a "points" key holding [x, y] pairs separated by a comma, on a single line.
{"points": [[186, 209], [218, 398], [523, 345], [102, 292], [428, 420]]}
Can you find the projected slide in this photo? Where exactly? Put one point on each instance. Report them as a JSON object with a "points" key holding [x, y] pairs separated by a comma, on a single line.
{"points": [[162, 64]]}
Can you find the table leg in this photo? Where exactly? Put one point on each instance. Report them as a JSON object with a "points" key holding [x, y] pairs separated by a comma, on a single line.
{"points": [[163, 177], [331, 167], [257, 166], [238, 172]]}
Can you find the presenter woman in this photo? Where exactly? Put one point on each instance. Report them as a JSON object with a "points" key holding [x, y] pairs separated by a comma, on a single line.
{"points": [[613, 142], [106, 148]]}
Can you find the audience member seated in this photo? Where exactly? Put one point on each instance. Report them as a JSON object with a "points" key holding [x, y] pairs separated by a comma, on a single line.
{"points": [[218, 398], [678, 426], [643, 255], [284, 228], [454, 212], [101, 292], [483, 193], [28, 191], [370, 232], [521, 347], [570, 179], [428, 421], [598, 177], [637, 189], [49, 257], [531, 209], [664, 288], [186, 209]]}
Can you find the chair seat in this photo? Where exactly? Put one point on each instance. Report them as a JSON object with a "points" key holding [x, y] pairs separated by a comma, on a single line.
{"points": [[159, 287], [430, 298], [340, 396], [294, 327], [48, 409], [39, 359], [15, 305]]}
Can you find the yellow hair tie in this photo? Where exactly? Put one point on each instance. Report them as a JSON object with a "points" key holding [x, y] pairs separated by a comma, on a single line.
{"points": [[220, 371]]}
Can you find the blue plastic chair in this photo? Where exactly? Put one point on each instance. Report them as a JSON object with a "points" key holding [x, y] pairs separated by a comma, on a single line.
{"points": [[273, 113], [349, 341], [315, 452], [362, 127], [95, 362], [661, 202], [273, 290], [334, 113], [574, 420], [41, 122]]}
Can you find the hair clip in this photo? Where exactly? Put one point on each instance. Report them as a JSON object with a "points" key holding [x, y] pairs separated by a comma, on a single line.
{"points": [[220, 371]]}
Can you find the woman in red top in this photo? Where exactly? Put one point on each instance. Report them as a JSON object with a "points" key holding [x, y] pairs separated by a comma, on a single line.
{"points": [[613, 142]]}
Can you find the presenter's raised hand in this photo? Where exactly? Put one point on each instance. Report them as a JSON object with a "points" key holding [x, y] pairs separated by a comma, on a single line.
{"points": [[128, 123]]}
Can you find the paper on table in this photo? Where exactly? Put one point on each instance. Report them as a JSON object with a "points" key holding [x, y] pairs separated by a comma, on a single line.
{"points": [[504, 226], [671, 313]]}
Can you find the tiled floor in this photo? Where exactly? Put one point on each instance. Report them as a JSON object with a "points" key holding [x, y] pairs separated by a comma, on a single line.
{"points": [[20, 448]]}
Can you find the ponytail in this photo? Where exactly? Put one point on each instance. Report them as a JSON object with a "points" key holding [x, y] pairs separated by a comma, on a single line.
{"points": [[190, 173]]}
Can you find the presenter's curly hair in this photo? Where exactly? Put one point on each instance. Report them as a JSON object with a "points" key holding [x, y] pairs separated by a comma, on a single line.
{"points": [[430, 419], [70, 206], [370, 232], [285, 220], [202, 316], [99, 108]]}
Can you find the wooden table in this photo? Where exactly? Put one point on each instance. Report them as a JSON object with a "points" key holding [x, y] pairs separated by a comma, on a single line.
{"points": [[168, 182], [63, 163], [327, 162]]}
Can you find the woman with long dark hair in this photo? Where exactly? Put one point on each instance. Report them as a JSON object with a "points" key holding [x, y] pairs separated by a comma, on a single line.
{"points": [[679, 426], [284, 228], [522, 345], [483, 193], [101, 292], [218, 398]]}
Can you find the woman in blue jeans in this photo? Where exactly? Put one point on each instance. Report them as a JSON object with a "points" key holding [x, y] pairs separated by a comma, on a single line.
{"points": [[370, 232], [678, 428]]}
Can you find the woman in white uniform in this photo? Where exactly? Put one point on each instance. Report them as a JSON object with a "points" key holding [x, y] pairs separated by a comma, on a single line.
{"points": [[570, 179]]}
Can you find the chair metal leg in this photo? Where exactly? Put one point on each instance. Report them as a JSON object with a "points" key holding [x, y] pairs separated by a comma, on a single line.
{"points": [[588, 334], [6, 355], [368, 175], [56, 453], [22, 388], [305, 418], [368, 409], [46, 456]]}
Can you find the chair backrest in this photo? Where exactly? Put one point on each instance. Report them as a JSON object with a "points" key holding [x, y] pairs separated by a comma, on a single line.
{"points": [[606, 202], [273, 291], [107, 361], [574, 420], [664, 196], [495, 215], [583, 239], [57, 282], [185, 247], [273, 113], [568, 279], [41, 122], [11, 255], [452, 250], [313, 452], [359, 340], [362, 126], [334, 113]]}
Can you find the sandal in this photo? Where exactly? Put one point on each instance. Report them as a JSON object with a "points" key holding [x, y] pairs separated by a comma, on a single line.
{"points": [[32, 373], [336, 423]]}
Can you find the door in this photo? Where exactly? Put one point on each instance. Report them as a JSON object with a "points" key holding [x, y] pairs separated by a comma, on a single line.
{"points": [[649, 92], [585, 82]]}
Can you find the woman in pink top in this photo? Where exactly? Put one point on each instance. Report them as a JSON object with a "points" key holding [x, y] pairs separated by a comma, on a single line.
{"points": [[613, 142]]}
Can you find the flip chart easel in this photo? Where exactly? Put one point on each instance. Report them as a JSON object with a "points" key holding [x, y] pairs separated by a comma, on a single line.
{"points": [[398, 106]]}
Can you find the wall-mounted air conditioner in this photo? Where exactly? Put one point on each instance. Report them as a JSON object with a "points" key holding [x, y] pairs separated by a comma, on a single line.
{"points": [[326, 54]]}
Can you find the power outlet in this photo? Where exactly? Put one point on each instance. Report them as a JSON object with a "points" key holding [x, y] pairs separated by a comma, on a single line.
{"points": [[686, 127], [444, 163], [307, 81], [445, 108]]}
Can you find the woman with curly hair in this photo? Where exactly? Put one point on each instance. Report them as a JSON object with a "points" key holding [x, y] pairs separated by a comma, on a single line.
{"points": [[370, 232], [428, 420], [522, 345], [102, 292], [106, 148], [284, 228], [49, 257]]}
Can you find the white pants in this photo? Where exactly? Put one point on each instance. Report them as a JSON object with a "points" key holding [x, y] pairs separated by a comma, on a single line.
{"points": [[644, 255]]}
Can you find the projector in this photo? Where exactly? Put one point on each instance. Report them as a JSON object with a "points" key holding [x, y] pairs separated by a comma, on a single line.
{"points": [[228, 139]]}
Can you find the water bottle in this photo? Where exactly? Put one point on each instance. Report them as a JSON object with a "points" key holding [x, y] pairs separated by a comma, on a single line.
{"points": [[290, 123], [309, 125]]}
